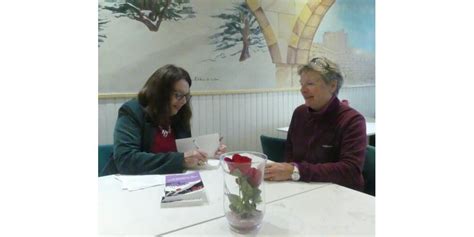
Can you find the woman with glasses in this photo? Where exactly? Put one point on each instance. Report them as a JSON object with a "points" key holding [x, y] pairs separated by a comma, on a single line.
{"points": [[326, 139], [146, 128]]}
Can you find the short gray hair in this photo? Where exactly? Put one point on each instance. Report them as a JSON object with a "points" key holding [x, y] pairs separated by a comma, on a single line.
{"points": [[329, 71]]}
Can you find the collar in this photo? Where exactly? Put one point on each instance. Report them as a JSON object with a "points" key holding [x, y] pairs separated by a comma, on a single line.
{"points": [[329, 109]]}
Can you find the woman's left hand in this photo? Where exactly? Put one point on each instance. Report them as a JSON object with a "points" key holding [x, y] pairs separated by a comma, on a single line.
{"points": [[221, 150], [278, 171]]}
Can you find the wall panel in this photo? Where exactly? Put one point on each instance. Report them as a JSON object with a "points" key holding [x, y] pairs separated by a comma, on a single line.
{"points": [[241, 118]]}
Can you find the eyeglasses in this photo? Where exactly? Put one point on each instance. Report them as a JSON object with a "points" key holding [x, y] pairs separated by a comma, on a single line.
{"points": [[321, 62], [179, 96]]}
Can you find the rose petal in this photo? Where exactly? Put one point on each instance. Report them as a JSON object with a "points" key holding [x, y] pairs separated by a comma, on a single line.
{"points": [[254, 177], [242, 163], [242, 159]]}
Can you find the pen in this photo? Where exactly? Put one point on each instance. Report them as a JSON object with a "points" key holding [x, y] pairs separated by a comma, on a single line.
{"points": [[200, 163], [195, 144]]}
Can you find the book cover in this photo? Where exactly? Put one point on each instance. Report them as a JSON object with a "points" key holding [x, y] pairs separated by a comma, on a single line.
{"points": [[183, 190]]}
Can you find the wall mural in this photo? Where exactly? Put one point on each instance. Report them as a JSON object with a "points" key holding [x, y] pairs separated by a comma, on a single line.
{"points": [[233, 44], [238, 27]]}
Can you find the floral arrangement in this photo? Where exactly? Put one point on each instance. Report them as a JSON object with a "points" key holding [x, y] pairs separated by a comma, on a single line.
{"points": [[248, 179]]}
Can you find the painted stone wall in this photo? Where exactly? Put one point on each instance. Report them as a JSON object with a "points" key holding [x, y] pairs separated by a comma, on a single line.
{"points": [[229, 45]]}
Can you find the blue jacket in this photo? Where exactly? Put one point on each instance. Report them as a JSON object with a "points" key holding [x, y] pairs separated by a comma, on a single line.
{"points": [[133, 137]]}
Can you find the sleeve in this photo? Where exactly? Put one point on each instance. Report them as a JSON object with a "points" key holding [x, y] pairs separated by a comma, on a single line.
{"points": [[128, 156], [289, 143], [347, 170]]}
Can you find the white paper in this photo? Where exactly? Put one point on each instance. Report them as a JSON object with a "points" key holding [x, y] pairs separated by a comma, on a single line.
{"points": [[137, 182], [211, 164], [208, 143]]}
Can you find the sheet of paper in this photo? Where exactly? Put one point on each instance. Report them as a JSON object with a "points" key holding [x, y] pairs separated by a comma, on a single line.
{"points": [[208, 143], [137, 182], [210, 165]]}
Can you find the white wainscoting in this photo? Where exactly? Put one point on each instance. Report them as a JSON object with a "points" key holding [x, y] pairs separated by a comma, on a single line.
{"points": [[241, 118]]}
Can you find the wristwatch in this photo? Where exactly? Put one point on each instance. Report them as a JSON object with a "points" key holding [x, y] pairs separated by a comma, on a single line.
{"points": [[295, 176]]}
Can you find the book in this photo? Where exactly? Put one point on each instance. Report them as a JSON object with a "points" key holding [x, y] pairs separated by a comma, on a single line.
{"points": [[183, 190], [208, 143]]}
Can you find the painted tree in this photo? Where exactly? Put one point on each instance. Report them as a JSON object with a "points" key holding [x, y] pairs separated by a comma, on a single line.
{"points": [[240, 26], [102, 37], [152, 12]]}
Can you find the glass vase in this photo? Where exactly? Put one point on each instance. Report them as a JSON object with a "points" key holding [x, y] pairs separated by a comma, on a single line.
{"points": [[244, 193]]}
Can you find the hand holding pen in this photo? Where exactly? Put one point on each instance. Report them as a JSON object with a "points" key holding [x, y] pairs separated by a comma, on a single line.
{"points": [[201, 162], [194, 158], [221, 150]]}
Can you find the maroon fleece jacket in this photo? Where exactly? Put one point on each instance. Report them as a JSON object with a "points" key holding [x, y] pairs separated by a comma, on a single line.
{"points": [[328, 145]]}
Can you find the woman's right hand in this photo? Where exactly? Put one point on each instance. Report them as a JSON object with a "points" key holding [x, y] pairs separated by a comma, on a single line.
{"points": [[194, 158]]}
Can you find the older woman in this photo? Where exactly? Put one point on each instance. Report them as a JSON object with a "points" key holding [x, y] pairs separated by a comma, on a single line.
{"points": [[326, 139], [146, 128]]}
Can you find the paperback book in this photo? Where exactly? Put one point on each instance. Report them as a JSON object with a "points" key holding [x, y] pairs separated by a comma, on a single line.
{"points": [[183, 190]]}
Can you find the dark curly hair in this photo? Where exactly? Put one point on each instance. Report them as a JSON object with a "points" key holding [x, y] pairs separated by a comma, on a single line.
{"points": [[155, 97]]}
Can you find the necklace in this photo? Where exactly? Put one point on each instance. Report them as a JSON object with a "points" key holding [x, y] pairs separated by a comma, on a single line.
{"points": [[165, 132]]}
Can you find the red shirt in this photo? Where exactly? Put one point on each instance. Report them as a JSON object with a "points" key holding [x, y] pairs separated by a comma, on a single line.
{"points": [[162, 144]]}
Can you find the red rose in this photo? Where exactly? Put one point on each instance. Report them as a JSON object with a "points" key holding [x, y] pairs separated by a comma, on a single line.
{"points": [[243, 164], [240, 159], [254, 177]]}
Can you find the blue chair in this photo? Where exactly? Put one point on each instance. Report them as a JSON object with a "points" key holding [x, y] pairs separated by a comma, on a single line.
{"points": [[273, 147], [105, 151], [369, 171]]}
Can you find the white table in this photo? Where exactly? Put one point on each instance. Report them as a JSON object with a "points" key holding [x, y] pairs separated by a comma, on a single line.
{"points": [[122, 212], [332, 210], [370, 128]]}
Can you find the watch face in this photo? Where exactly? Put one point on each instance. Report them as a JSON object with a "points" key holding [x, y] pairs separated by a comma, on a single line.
{"points": [[295, 176]]}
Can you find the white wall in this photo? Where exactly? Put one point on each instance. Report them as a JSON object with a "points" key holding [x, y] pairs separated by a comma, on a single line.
{"points": [[241, 118]]}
